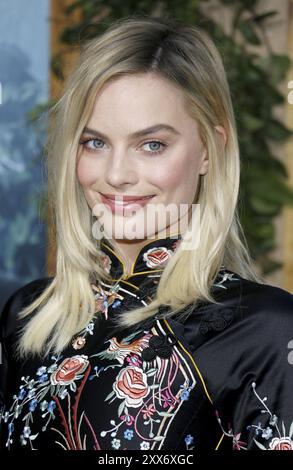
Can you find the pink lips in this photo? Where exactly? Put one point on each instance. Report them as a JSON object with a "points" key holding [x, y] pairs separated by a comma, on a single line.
{"points": [[119, 204]]}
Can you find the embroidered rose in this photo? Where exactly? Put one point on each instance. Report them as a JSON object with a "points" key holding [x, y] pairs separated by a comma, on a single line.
{"points": [[131, 385], [157, 257], [69, 369], [282, 443]]}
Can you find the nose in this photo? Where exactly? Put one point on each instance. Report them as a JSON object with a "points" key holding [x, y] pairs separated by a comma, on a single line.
{"points": [[120, 170]]}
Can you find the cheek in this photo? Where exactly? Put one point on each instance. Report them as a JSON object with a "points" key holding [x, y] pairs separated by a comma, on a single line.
{"points": [[179, 174], [86, 172]]}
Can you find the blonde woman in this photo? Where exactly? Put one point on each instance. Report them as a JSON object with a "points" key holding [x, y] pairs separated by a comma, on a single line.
{"points": [[168, 339]]}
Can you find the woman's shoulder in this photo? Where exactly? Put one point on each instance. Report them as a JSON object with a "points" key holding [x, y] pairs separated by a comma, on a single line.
{"points": [[256, 296], [246, 310], [251, 328], [266, 302], [19, 299]]}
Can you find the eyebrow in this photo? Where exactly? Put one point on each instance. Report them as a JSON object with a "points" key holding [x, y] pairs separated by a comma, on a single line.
{"points": [[142, 132]]}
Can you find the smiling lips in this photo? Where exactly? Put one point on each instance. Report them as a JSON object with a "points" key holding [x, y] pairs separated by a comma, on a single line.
{"points": [[119, 203]]}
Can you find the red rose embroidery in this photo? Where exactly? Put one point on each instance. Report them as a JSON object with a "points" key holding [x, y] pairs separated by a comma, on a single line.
{"points": [[157, 257], [69, 369], [131, 385], [282, 443]]}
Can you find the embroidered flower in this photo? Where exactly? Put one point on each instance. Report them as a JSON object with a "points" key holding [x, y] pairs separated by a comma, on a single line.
{"points": [[128, 419], [237, 443], [43, 378], [188, 439], [26, 431], [21, 394], [90, 328], [274, 420], [155, 257], [267, 433], [281, 443], [224, 276], [33, 404], [69, 369], [51, 406], [148, 411], [106, 297], [116, 443], [128, 434], [131, 385], [134, 359], [185, 392], [144, 445], [41, 370], [78, 342], [168, 400], [44, 405]]}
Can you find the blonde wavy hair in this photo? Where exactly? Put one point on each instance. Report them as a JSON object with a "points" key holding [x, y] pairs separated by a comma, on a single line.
{"points": [[186, 56]]}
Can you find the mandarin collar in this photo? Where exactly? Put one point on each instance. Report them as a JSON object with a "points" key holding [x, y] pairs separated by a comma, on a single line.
{"points": [[152, 257]]}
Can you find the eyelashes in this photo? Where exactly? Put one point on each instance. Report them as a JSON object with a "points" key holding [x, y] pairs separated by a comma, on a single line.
{"points": [[84, 144]]}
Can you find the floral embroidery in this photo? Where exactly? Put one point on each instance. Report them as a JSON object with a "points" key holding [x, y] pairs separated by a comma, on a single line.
{"points": [[281, 443], [236, 442], [69, 370], [138, 387], [30, 396], [103, 300], [151, 381], [224, 276], [157, 257], [106, 297], [266, 433], [148, 396], [131, 385], [189, 441], [276, 443]]}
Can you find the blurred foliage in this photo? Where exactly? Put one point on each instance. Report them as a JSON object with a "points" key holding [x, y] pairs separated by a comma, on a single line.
{"points": [[255, 75]]}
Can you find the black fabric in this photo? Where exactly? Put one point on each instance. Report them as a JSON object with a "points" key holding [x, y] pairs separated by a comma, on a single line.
{"points": [[219, 378]]}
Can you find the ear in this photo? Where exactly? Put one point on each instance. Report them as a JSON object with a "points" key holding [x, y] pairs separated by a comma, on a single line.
{"points": [[204, 163], [221, 131]]}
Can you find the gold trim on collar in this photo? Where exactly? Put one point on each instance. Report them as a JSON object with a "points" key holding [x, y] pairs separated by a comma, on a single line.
{"points": [[132, 273]]}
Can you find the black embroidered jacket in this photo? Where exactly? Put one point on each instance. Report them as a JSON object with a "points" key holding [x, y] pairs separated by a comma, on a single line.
{"points": [[220, 379]]}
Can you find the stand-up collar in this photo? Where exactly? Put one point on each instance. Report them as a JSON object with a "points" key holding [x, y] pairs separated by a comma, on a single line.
{"points": [[153, 257]]}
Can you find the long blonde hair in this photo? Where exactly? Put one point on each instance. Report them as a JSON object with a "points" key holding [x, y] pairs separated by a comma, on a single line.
{"points": [[186, 56]]}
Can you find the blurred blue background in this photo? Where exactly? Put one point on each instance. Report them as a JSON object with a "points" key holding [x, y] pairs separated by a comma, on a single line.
{"points": [[24, 52]]}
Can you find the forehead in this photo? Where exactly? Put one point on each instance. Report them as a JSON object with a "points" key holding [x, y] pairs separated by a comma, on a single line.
{"points": [[139, 101]]}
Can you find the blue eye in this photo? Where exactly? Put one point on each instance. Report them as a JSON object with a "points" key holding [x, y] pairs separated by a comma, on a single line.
{"points": [[85, 144], [158, 143]]}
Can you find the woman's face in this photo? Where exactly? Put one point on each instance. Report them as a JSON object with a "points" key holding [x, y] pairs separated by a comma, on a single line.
{"points": [[122, 158]]}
